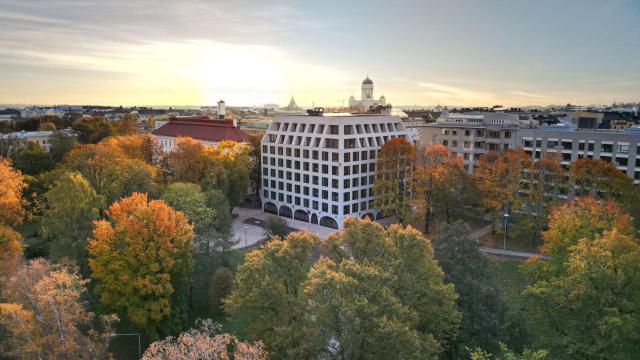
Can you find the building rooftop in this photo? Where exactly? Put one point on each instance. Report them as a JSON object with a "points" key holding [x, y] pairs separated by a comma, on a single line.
{"points": [[202, 128]]}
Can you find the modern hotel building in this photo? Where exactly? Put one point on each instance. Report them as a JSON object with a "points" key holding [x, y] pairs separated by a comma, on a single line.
{"points": [[320, 168]]}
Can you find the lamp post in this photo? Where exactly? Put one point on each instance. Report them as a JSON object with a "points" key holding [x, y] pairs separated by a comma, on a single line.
{"points": [[506, 222], [245, 235], [132, 334]]}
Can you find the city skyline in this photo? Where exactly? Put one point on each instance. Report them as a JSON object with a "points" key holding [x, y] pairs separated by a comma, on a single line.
{"points": [[252, 53]]}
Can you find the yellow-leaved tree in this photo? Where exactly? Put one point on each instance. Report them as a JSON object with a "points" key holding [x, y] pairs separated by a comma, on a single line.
{"points": [[141, 259]]}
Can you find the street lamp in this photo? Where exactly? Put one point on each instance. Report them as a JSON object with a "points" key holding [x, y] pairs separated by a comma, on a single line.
{"points": [[506, 222], [132, 334], [245, 235]]}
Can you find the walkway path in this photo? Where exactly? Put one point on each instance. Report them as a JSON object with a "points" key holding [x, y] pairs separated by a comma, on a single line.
{"points": [[511, 254], [479, 233]]}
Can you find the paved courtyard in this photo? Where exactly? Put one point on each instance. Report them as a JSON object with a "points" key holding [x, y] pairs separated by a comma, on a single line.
{"points": [[248, 230]]}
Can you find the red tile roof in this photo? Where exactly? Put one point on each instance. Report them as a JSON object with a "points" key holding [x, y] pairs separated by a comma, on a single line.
{"points": [[202, 128]]}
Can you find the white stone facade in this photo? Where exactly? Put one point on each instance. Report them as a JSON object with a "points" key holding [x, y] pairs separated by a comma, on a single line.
{"points": [[320, 169], [366, 97]]}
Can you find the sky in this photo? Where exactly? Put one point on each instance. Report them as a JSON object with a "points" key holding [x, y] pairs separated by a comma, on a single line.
{"points": [[423, 52]]}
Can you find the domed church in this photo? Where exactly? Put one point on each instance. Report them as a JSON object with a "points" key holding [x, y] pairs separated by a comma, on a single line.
{"points": [[366, 97]]}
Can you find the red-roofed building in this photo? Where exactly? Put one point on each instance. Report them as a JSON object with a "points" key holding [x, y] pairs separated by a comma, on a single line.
{"points": [[207, 131]]}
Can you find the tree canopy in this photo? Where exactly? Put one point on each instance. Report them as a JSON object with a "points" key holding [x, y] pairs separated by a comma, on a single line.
{"points": [[138, 257]]}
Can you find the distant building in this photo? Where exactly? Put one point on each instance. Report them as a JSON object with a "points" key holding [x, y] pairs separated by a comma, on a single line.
{"points": [[41, 138], [366, 101], [209, 132], [292, 107], [319, 169], [620, 147], [471, 135]]}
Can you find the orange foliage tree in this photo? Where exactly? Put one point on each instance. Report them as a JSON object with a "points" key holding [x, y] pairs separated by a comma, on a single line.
{"points": [[602, 179], [143, 147], [141, 259], [45, 317], [583, 218], [543, 185], [225, 167], [439, 182], [394, 174], [499, 176], [12, 205], [109, 170]]}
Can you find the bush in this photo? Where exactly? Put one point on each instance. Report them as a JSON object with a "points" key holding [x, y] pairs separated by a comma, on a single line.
{"points": [[275, 225]]}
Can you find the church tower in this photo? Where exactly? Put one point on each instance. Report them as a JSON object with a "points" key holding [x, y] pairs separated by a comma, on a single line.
{"points": [[367, 90]]}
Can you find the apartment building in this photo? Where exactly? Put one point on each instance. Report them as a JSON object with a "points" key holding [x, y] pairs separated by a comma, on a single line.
{"points": [[320, 168], [620, 147], [471, 135]]}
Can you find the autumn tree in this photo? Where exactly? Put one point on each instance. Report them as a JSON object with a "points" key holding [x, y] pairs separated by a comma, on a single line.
{"points": [[590, 310], [440, 183], [394, 174], [92, 129], [10, 250], [225, 167], [32, 159], [582, 218], [126, 126], [235, 179], [204, 342], [69, 209], [187, 162], [144, 147], [499, 178], [45, 317], [486, 317], [109, 171], [602, 179], [140, 259], [543, 186], [12, 205], [373, 292]]}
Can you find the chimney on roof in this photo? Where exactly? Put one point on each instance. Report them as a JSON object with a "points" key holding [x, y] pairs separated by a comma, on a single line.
{"points": [[221, 110]]}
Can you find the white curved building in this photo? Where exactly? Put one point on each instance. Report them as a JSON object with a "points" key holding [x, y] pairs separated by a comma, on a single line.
{"points": [[319, 169]]}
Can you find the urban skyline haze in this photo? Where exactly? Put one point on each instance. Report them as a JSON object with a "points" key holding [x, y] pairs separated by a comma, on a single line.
{"points": [[255, 52]]}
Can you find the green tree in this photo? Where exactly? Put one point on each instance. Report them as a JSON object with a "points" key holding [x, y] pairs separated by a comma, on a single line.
{"points": [[486, 317], [219, 288], [69, 210], [141, 260], [61, 143], [267, 291], [590, 310], [32, 159], [221, 231], [92, 129], [189, 199], [372, 290], [507, 354], [276, 226]]}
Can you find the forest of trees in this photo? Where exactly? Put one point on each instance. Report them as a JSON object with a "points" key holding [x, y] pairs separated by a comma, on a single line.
{"points": [[109, 234]]}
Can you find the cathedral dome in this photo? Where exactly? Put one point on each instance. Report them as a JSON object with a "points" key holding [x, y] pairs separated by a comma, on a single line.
{"points": [[367, 81]]}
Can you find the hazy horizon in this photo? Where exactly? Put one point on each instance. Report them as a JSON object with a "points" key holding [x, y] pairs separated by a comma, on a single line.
{"points": [[458, 53]]}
